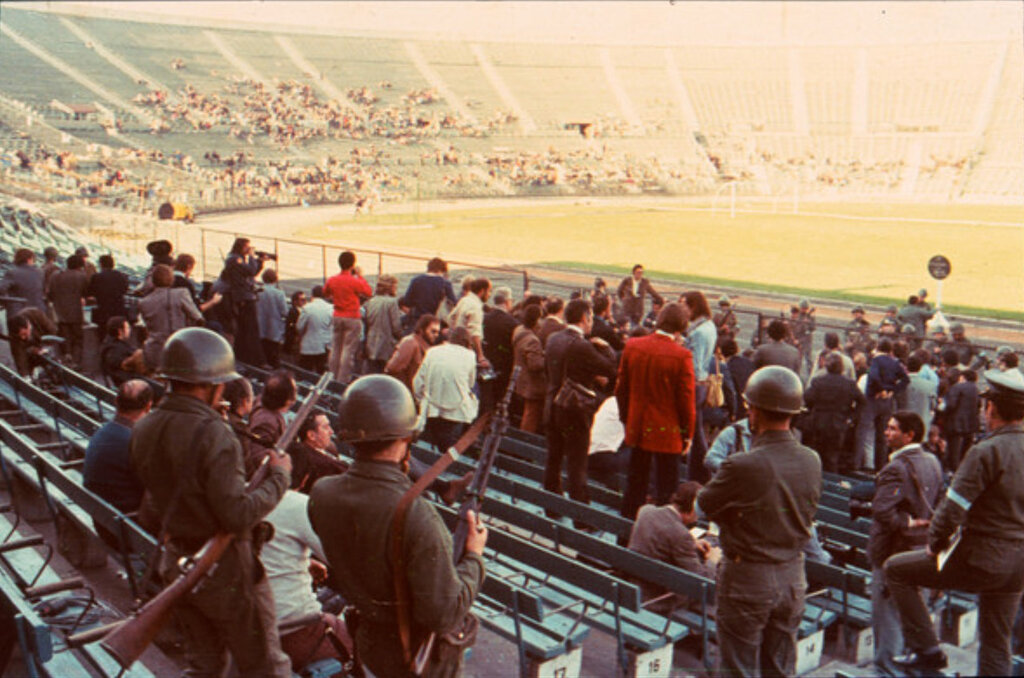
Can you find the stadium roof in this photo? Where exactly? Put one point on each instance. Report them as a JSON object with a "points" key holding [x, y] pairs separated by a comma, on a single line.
{"points": [[637, 23]]}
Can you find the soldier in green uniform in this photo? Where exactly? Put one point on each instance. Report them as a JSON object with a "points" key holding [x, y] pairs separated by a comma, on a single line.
{"points": [[802, 324], [986, 502], [352, 514], [191, 465], [764, 502], [889, 325], [965, 350], [858, 330]]}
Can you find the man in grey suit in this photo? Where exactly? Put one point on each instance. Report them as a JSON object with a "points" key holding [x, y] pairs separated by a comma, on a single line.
{"points": [[921, 395], [777, 351], [907, 490], [24, 281], [67, 292]]}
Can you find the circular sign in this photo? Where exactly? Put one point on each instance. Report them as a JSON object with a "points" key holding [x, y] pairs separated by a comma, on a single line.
{"points": [[939, 267]]}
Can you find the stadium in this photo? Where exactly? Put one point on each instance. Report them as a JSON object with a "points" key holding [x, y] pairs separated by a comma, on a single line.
{"points": [[763, 152]]}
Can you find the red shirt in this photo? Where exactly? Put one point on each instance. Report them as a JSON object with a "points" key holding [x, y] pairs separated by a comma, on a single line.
{"points": [[344, 290]]}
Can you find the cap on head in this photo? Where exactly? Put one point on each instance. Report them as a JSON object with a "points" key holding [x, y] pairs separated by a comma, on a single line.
{"points": [[908, 329], [892, 309], [1009, 385], [159, 248], [775, 389], [805, 304], [857, 309], [724, 301], [1003, 350], [196, 355], [956, 328], [376, 407]]}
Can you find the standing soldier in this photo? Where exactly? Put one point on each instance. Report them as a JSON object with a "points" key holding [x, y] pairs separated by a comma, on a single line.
{"points": [[191, 465], [803, 324], [858, 330], [965, 350], [352, 514], [764, 502], [725, 320], [986, 502]]}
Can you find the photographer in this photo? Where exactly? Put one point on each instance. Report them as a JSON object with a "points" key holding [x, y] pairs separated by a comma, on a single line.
{"points": [[241, 327]]}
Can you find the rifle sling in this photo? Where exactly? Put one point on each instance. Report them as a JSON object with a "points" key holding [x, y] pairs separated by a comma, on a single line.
{"points": [[403, 599]]}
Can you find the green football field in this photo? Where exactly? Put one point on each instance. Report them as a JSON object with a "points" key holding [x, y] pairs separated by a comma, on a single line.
{"points": [[851, 251]]}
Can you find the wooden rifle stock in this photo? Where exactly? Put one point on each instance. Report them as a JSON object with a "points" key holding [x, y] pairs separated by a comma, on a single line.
{"points": [[128, 640]]}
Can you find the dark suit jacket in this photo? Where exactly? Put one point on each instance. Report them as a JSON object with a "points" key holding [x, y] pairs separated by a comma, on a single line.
{"points": [[26, 282], [832, 399], [962, 408], [897, 500], [633, 304], [67, 289], [655, 390], [108, 287], [740, 369], [777, 353], [547, 327], [584, 361], [498, 328], [554, 361], [605, 331]]}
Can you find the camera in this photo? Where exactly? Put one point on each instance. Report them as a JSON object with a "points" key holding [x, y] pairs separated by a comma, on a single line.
{"points": [[265, 255]]}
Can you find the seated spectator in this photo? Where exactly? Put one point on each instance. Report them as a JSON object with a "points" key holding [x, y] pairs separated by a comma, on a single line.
{"points": [[120, 359], [313, 455], [315, 329], [26, 331], [108, 470], [409, 353], [662, 533], [108, 288], [267, 419], [383, 324], [294, 560]]}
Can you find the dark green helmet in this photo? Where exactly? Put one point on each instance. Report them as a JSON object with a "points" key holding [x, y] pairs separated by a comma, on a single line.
{"points": [[805, 304], [775, 389], [376, 407], [197, 355]]}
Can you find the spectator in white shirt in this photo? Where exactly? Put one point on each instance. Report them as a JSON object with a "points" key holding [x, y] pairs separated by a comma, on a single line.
{"points": [[443, 386], [315, 328]]}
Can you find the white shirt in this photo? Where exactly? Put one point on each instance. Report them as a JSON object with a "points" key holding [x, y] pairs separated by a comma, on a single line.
{"points": [[286, 558], [444, 383], [315, 327], [607, 432], [469, 313], [903, 449]]}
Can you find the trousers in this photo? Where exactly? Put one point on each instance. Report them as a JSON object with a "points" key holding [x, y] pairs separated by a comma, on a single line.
{"points": [[568, 439], [759, 610], [984, 565], [885, 622], [666, 479], [345, 347]]}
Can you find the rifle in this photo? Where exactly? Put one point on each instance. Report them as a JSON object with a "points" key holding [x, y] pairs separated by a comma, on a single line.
{"points": [[473, 498], [126, 640]]}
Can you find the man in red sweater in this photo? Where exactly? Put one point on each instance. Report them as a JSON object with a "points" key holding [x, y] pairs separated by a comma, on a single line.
{"points": [[655, 391], [346, 290]]}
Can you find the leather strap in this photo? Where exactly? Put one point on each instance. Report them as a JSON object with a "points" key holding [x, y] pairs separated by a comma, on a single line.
{"points": [[402, 595]]}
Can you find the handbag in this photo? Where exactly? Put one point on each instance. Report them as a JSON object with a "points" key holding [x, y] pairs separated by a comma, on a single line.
{"points": [[716, 392], [575, 396]]}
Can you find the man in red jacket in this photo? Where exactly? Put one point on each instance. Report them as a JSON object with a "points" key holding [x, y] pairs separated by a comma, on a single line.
{"points": [[346, 290], [655, 391]]}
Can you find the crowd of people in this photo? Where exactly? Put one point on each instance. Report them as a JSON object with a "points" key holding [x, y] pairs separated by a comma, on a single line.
{"points": [[621, 382]]}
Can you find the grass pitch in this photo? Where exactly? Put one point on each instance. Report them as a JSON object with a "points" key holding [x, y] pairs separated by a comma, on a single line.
{"points": [[863, 252]]}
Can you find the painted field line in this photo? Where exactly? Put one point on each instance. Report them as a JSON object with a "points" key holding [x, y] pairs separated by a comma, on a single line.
{"points": [[848, 217], [380, 227]]}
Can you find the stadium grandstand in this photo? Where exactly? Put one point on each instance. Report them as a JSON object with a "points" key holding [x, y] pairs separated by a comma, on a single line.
{"points": [[794, 170]]}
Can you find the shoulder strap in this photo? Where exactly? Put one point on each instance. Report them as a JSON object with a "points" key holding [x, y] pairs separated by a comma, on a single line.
{"points": [[738, 430], [917, 483], [403, 599]]}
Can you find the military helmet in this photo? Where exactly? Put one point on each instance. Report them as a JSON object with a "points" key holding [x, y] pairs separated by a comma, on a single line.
{"points": [[197, 355], [775, 389], [805, 304], [956, 328], [908, 329], [857, 309], [892, 309], [376, 407], [1003, 350], [724, 300]]}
